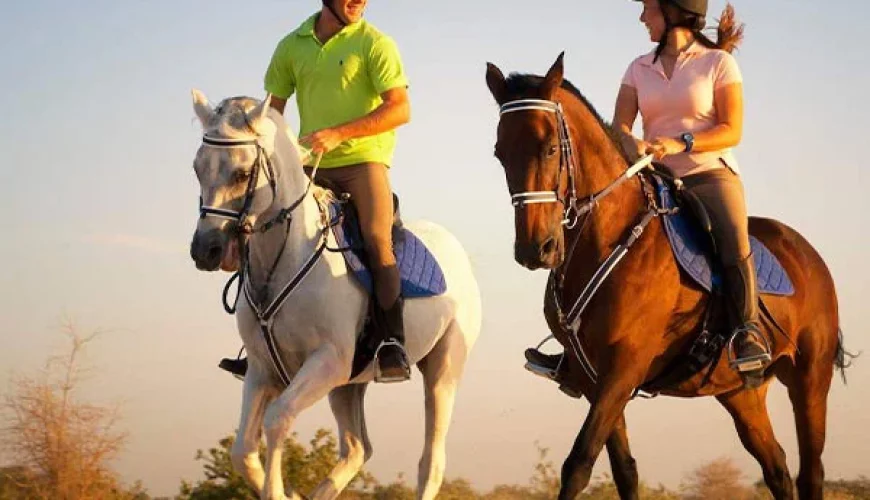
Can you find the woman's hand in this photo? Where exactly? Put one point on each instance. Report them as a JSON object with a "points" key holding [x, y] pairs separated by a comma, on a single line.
{"points": [[634, 147], [665, 146]]}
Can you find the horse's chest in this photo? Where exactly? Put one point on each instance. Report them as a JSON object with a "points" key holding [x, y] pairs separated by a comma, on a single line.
{"points": [[309, 318]]}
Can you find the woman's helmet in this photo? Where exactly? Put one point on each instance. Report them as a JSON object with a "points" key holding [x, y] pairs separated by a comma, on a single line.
{"points": [[698, 7]]}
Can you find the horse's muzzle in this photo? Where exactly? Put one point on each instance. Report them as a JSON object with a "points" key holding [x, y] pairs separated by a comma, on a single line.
{"points": [[547, 254], [207, 249]]}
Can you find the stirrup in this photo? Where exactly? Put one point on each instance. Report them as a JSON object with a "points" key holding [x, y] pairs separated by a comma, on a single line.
{"points": [[541, 370], [748, 363], [387, 379], [544, 371]]}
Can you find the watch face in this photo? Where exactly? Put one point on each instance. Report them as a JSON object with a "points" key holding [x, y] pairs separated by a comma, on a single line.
{"points": [[689, 139]]}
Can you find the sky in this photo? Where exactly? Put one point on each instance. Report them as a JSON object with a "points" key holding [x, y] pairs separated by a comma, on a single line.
{"points": [[99, 203]]}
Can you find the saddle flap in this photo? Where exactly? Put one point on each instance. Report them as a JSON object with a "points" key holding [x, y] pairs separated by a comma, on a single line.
{"points": [[420, 273], [693, 249]]}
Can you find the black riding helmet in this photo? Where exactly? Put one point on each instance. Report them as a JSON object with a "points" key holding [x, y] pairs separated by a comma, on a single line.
{"points": [[698, 7], [695, 13]]}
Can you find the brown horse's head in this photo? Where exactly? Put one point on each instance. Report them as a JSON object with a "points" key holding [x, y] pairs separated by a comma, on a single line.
{"points": [[528, 147]]}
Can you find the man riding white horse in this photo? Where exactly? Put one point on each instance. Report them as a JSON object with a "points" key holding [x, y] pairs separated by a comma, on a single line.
{"points": [[351, 92]]}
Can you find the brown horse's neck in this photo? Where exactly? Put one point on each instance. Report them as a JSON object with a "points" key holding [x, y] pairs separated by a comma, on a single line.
{"points": [[598, 162]]}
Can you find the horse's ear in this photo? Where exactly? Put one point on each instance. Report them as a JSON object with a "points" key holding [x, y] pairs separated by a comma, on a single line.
{"points": [[259, 111], [201, 107], [553, 80], [496, 82]]}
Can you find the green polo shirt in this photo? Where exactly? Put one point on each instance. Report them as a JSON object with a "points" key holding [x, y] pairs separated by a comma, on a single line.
{"points": [[337, 82]]}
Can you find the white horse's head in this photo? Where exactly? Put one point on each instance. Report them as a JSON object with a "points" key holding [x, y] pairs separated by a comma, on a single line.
{"points": [[247, 166]]}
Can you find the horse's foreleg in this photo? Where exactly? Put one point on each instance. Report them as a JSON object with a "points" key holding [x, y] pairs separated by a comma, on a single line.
{"points": [[622, 464], [347, 403], [322, 371], [245, 451], [624, 374]]}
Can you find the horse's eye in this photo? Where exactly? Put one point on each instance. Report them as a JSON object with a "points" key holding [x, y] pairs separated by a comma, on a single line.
{"points": [[242, 175], [552, 151]]}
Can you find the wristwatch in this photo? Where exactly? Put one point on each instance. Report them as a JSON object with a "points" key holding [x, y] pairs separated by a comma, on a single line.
{"points": [[689, 139]]}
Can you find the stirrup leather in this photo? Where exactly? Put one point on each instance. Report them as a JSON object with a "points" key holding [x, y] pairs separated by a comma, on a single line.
{"points": [[380, 377]]}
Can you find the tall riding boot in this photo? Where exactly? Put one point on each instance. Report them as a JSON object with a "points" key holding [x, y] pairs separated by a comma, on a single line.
{"points": [[748, 349], [238, 367], [391, 358]]}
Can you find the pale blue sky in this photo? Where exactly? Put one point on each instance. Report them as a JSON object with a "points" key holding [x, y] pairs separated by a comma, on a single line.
{"points": [[99, 203]]}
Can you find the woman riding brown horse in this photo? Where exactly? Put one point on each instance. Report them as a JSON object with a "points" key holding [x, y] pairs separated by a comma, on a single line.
{"points": [[647, 312]]}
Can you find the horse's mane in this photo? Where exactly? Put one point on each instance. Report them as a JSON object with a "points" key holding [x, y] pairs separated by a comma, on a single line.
{"points": [[522, 83]]}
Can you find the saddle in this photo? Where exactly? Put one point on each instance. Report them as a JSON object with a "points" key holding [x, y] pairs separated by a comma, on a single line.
{"points": [[689, 231], [419, 271]]}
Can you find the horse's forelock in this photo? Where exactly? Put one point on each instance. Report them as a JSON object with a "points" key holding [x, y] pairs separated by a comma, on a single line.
{"points": [[230, 118]]}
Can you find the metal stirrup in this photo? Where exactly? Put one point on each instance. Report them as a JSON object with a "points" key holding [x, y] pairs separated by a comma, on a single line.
{"points": [[541, 371], [748, 363], [379, 377]]}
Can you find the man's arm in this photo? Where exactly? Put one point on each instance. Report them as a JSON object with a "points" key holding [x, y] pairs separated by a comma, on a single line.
{"points": [[394, 112], [278, 104]]}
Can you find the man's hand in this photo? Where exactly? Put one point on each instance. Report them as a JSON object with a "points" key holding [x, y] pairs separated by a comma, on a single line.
{"points": [[322, 141]]}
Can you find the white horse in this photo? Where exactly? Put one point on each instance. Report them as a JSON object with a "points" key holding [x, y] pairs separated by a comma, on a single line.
{"points": [[250, 168]]}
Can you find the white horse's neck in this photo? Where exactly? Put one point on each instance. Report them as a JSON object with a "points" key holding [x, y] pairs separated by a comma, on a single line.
{"points": [[292, 242]]}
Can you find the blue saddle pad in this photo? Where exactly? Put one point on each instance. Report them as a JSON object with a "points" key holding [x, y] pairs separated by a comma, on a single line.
{"points": [[692, 249], [419, 270]]}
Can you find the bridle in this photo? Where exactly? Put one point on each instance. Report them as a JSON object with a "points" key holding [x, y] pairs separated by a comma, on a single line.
{"points": [[573, 208], [261, 163], [264, 312], [566, 161]]}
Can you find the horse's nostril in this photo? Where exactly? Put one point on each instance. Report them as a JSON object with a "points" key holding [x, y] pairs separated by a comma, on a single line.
{"points": [[214, 253], [548, 246]]}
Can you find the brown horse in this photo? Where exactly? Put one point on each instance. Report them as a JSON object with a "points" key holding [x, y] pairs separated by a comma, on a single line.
{"points": [[648, 311]]}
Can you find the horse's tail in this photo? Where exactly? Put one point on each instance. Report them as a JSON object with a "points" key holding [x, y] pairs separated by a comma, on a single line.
{"points": [[843, 358]]}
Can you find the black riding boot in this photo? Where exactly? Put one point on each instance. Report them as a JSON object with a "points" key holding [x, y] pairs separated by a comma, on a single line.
{"points": [[747, 348], [391, 358], [238, 366]]}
